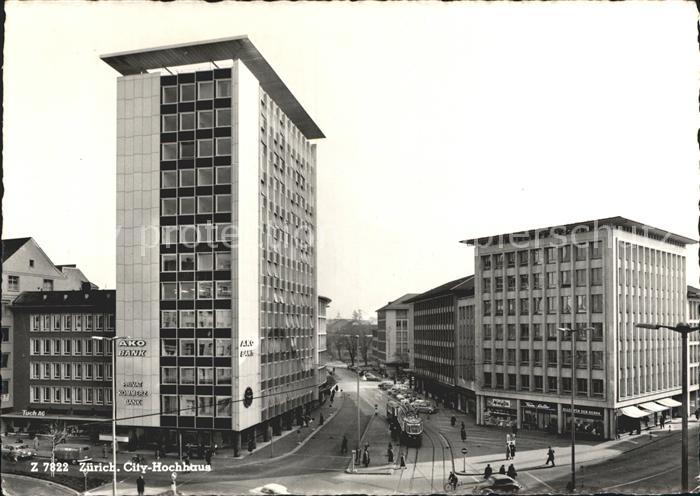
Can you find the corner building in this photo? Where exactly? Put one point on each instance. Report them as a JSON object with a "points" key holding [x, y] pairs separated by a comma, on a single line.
{"points": [[608, 274], [216, 265]]}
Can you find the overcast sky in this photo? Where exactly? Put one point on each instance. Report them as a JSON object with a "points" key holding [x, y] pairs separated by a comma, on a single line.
{"points": [[443, 122]]}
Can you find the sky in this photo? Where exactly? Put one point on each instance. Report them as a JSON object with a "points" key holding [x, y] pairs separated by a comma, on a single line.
{"points": [[443, 121]]}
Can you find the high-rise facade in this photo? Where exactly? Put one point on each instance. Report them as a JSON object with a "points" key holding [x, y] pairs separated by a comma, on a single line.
{"points": [[608, 275], [216, 264]]}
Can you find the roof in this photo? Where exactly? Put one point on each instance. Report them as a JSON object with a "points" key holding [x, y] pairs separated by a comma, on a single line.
{"points": [[10, 246], [463, 286], [614, 222], [324, 299], [397, 303], [97, 299], [693, 292], [237, 47]]}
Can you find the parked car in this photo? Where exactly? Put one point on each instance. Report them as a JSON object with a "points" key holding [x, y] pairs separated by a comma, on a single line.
{"points": [[72, 453], [17, 451], [372, 377], [498, 484], [385, 385], [423, 406]]}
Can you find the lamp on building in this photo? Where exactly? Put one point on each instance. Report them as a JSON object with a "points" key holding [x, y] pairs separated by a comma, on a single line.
{"points": [[573, 397], [684, 330], [114, 406]]}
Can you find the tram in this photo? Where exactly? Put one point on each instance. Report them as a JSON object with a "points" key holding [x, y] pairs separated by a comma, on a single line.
{"points": [[404, 420]]}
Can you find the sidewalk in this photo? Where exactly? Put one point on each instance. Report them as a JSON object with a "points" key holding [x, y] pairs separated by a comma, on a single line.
{"points": [[376, 434]]}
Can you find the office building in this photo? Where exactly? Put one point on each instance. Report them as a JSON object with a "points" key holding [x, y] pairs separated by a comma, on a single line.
{"points": [[216, 265], [25, 267], [607, 274], [62, 373], [437, 355], [391, 348]]}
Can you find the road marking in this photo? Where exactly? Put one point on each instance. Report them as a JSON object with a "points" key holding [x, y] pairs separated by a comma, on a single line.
{"points": [[635, 481], [540, 481]]}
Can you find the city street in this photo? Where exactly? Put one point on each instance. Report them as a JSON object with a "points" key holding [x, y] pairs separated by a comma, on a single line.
{"points": [[630, 464]]}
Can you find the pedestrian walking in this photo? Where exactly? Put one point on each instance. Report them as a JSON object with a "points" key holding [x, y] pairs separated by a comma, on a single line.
{"points": [[511, 472], [507, 451], [402, 461], [156, 453], [488, 471], [550, 456], [141, 485], [104, 451], [365, 458], [207, 457], [320, 419], [36, 443], [463, 433], [502, 470], [186, 462], [512, 451], [390, 454], [344, 445]]}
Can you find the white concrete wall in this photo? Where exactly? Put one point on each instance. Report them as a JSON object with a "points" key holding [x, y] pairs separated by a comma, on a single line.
{"points": [[246, 252], [138, 219]]}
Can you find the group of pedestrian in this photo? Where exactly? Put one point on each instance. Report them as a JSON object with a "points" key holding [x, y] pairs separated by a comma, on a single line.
{"points": [[510, 450]]}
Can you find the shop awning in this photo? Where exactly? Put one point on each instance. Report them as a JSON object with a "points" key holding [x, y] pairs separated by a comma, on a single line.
{"points": [[653, 407], [634, 412], [669, 402]]}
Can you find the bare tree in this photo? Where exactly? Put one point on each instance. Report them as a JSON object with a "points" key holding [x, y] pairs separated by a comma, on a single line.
{"points": [[351, 346], [338, 343], [357, 314], [365, 346], [58, 432]]}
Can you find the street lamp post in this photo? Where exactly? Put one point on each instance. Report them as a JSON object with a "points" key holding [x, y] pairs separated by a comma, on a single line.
{"points": [[684, 330], [357, 336], [573, 399], [114, 407]]}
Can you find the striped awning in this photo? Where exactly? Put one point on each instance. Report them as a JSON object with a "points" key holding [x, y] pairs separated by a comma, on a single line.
{"points": [[669, 402], [634, 412], [653, 407]]}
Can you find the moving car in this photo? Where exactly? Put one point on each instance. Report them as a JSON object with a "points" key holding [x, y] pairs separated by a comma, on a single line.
{"points": [[498, 484], [372, 377], [270, 489], [72, 453], [17, 451], [385, 385]]}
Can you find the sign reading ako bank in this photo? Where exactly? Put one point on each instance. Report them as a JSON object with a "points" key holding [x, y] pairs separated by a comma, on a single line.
{"points": [[134, 348]]}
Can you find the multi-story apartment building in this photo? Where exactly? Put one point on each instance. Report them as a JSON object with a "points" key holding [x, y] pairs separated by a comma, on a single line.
{"points": [[61, 371], [391, 349], [608, 274], [216, 265], [436, 354], [25, 267]]}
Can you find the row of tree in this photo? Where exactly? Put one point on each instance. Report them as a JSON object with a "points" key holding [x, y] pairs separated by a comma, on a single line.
{"points": [[352, 346]]}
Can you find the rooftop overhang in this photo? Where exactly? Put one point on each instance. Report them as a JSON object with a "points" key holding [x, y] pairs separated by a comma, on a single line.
{"points": [[237, 47], [581, 227]]}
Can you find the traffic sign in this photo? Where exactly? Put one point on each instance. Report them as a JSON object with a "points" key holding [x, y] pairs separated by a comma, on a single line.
{"points": [[464, 451], [108, 437]]}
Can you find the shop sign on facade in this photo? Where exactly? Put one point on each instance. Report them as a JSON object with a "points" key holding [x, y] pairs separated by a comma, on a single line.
{"points": [[33, 413], [134, 348], [133, 392], [586, 412], [499, 403], [543, 407]]}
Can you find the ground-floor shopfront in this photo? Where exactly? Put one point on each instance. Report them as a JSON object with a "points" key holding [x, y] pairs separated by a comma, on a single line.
{"points": [[446, 395], [591, 421], [546, 416]]}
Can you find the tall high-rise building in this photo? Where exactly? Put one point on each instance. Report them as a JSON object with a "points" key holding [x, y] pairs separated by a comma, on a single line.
{"points": [[216, 264], [608, 275]]}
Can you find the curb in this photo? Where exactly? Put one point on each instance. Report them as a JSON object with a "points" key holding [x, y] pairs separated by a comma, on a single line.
{"points": [[50, 483]]}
